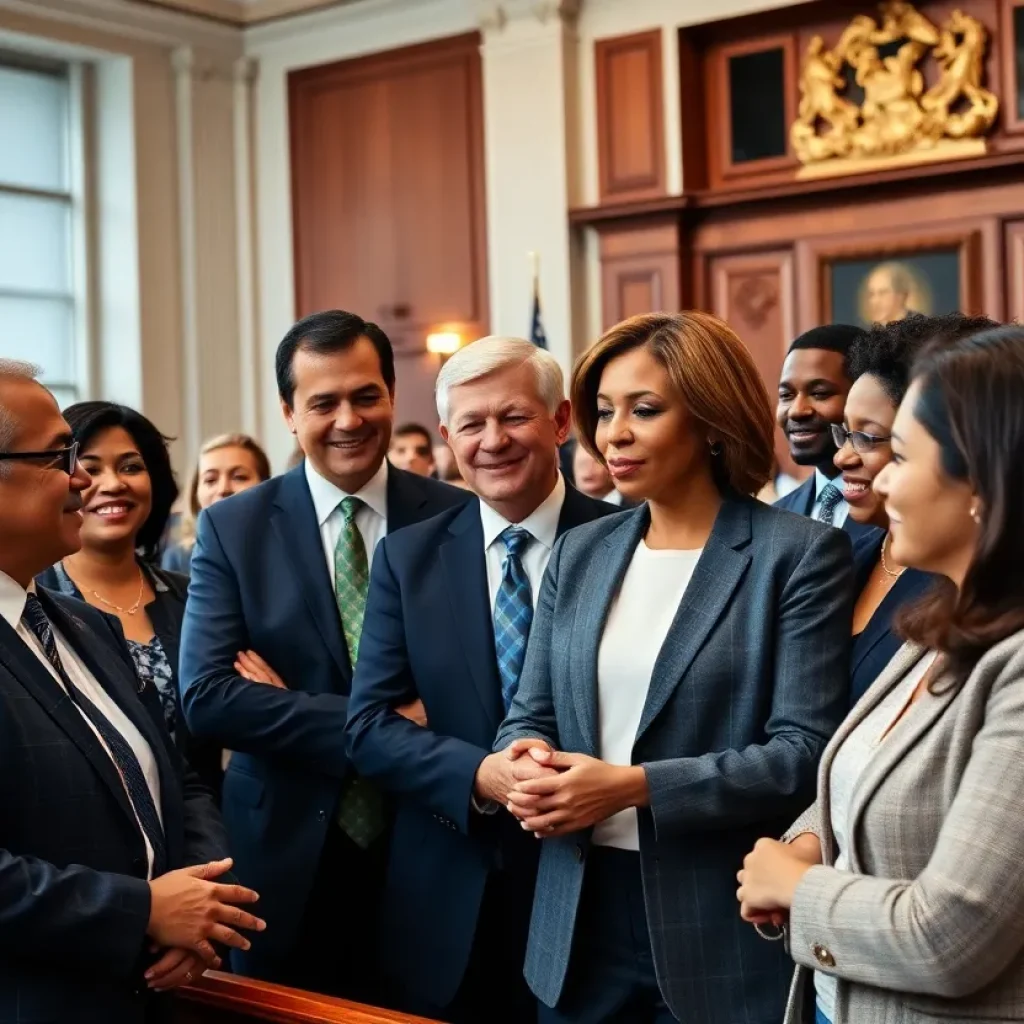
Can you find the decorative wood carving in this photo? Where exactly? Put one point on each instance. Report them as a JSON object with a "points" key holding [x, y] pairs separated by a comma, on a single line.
{"points": [[630, 117], [899, 119]]}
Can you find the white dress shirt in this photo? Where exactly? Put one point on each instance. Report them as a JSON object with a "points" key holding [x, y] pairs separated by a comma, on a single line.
{"points": [[842, 510], [12, 606], [614, 497], [541, 524], [371, 517], [638, 622]]}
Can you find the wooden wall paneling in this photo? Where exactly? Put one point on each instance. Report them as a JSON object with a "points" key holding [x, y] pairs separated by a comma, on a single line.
{"points": [[388, 187], [630, 116], [754, 293], [218, 998], [1010, 87], [693, 114], [640, 270], [719, 118], [1014, 268]]}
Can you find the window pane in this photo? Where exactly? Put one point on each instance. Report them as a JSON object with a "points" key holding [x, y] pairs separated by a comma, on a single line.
{"points": [[34, 244], [33, 127], [65, 396], [40, 331], [757, 105]]}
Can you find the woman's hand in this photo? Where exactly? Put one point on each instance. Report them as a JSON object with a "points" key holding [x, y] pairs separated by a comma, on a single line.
{"points": [[584, 792], [769, 879], [249, 665]]}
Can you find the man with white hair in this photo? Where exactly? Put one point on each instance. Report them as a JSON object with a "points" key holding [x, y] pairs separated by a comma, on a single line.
{"points": [[448, 615]]}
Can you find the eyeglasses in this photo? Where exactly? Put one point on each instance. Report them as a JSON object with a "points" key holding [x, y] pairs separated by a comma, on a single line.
{"points": [[862, 443], [64, 459]]}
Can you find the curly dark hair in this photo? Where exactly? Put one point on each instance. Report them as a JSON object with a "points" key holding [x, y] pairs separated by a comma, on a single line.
{"points": [[887, 351], [87, 419]]}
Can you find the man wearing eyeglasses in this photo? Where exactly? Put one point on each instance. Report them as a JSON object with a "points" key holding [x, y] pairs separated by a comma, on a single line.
{"points": [[98, 817]]}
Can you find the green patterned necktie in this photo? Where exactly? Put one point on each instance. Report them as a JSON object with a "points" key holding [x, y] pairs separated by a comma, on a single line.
{"points": [[361, 809]]}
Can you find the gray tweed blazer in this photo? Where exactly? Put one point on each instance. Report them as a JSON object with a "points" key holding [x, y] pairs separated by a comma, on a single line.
{"points": [[929, 923]]}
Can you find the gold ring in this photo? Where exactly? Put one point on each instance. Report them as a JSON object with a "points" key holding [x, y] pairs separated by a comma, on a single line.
{"points": [[188, 978]]}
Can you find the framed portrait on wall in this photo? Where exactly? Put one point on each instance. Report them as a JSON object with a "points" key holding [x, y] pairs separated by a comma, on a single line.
{"points": [[896, 277]]}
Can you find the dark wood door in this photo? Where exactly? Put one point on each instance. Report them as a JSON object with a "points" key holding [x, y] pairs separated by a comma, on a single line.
{"points": [[388, 188]]}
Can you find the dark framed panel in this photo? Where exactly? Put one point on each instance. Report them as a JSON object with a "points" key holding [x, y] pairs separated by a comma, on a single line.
{"points": [[630, 116], [752, 99], [1011, 50]]}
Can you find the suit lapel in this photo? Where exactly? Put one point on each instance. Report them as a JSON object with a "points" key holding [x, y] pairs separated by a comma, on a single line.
{"points": [[904, 591], [903, 661], [30, 672], [717, 574], [405, 499], [904, 736], [604, 575], [298, 533], [465, 576]]}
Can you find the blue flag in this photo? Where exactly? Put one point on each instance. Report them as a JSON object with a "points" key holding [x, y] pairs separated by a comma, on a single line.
{"points": [[537, 335]]}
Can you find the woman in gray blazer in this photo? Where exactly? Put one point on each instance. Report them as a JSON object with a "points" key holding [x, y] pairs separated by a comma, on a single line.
{"points": [[903, 883], [686, 666]]}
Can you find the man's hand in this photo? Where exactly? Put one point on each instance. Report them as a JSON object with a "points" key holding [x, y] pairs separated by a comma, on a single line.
{"points": [[497, 772], [189, 912], [414, 711], [249, 665], [176, 967], [581, 792]]}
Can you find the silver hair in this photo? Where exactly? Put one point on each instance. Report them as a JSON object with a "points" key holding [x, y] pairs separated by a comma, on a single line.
{"points": [[12, 369], [488, 355]]}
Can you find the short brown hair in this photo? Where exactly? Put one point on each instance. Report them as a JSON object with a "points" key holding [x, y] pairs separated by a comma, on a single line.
{"points": [[716, 377]]}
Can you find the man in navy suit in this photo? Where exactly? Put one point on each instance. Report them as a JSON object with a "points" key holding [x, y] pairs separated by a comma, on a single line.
{"points": [[272, 629], [450, 605], [812, 396], [108, 844]]}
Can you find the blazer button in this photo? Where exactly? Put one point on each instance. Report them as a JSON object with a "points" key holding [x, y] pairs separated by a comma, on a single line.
{"points": [[822, 955], [579, 854]]}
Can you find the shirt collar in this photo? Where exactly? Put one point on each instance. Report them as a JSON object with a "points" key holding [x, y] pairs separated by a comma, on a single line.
{"points": [[326, 496], [541, 523], [12, 599], [821, 482]]}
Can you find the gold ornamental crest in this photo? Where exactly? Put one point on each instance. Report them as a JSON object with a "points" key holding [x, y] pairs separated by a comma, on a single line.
{"points": [[899, 120]]}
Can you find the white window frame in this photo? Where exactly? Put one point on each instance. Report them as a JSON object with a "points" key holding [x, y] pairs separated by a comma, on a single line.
{"points": [[77, 199]]}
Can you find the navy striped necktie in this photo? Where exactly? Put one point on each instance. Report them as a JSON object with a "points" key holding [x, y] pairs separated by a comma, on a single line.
{"points": [[124, 758]]}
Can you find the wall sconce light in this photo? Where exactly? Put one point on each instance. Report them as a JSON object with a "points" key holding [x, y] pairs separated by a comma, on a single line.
{"points": [[444, 344]]}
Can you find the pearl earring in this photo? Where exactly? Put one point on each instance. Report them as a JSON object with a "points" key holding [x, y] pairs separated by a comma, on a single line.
{"points": [[976, 515]]}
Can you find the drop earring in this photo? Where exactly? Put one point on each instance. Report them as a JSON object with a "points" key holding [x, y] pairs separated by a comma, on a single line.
{"points": [[715, 447], [976, 515]]}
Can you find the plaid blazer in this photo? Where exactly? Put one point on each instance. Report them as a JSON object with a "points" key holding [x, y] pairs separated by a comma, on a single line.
{"points": [[928, 924], [750, 683]]}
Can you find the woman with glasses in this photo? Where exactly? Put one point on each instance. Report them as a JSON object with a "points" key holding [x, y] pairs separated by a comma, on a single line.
{"points": [[124, 515], [879, 364], [902, 884]]}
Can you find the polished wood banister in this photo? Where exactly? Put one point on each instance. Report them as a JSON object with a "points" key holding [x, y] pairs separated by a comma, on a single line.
{"points": [[228, 997]]}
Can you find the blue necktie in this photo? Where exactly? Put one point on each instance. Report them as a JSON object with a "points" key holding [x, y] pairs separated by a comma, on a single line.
{"points": [[123, 756], [513, 612], [830, 498]]}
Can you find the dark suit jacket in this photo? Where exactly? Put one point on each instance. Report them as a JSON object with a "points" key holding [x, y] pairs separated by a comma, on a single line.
{"points": [[749, 686], [875, 646], [801, 501], [166, 612], [74, 901], [428, 633], [260, 580]]}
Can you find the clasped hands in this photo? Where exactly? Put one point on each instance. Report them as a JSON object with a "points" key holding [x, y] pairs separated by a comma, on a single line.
{"points": [[553, 793], [770, 875]]}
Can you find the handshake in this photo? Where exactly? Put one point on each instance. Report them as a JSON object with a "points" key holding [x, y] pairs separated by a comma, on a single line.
{"points": [[554, 793], [189, 911]]}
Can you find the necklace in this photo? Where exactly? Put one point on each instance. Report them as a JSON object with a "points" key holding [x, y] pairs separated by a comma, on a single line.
{"points": [[885, 565], [124, 611]]}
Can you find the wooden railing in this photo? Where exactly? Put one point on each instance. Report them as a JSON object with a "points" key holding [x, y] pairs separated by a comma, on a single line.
{"points": [[228, 999]]}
